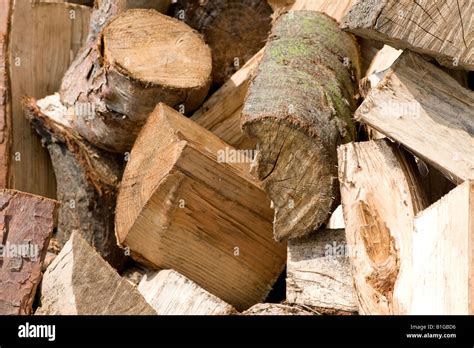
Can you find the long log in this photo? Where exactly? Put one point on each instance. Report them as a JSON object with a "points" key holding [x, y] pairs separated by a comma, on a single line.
{"points": [[235, 30], [26, 225], [5, 95], [187, 202], [122, 76], [443, 255], [420, 106], [80, 282], [442, 29], [380, 198], [298, 109]]}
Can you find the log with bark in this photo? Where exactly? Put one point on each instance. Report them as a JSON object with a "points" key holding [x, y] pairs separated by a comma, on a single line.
{"points": [[298, 109], [188, 203], [380, 197], [319, 273], [116, 81], [442, 29], [79, 281], [26, 225], [235, 30], [87, 179], [170, 293], [422, 107]]}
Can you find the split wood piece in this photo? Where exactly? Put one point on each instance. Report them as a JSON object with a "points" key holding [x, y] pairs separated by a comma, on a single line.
{"points": [[442, 29], [187, 202], [336, 221], [26, 225], [132, 68], [37, 63], [87, 179], [5, 95], [276, 309], [170, 293], [80, 282], [235, 30], [298, 109], [336, 9], [221, 112], [426, 110], [443, 255], [319, 273], [380, 198]]}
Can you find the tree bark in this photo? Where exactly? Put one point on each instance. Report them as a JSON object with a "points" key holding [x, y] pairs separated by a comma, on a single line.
{"points": [[26, 225], [298, 109], [187, 202], [116, 81]]}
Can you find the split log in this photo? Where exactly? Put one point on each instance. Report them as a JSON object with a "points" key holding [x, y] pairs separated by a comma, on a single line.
{"points": [[26, 225], [129, 70], [319, 274], [235, 30], [298, 126], [87, 179], [443, 255], [80, 282], [426, 110], [276, 309], [336, 221], [187, 202], [379, 230], [442, 29], [170, 293], [5, 95], [37, 63]]}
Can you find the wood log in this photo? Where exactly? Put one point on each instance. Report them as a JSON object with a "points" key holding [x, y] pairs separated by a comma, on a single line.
{"points": [[335, 9], [170, 293], [319, 273], [37, 63], [5, 95], [298, 127], [442, 29], [276, 309], [443, 255], [26, 225], [130, 68], [187, 202], [235, 30], [426, 110], [80, 282], [379, 230], [87, 179]]}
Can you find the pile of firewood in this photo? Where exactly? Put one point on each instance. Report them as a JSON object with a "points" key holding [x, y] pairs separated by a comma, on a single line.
{"points": [[243, 156]]}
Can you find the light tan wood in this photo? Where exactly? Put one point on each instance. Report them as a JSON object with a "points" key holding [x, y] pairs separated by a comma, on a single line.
{"points": [[336, 9], [433, 119], [183, 205], [170, 293], [443, 29], [380, 198], [26, 225], [319, 273], [443, 255], [43, 40], [276, 309], [79, 281]]}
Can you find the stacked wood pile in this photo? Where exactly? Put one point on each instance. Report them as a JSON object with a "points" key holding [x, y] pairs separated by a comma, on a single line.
{"points": [[237, 157]]}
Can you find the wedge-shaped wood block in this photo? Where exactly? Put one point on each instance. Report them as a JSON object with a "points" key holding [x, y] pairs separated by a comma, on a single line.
{"points": [[187, 202], [443, 255]]}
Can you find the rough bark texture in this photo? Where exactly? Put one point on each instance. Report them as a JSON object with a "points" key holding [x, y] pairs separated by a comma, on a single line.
{"points": [[319, 273], [275, 309], [434, 119], [170, 293], [120, 77], [379, 230], [184, 205], [26, 225], [298, 108], [80, 282], [87, 179], [443, 29], [234, 29]]}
